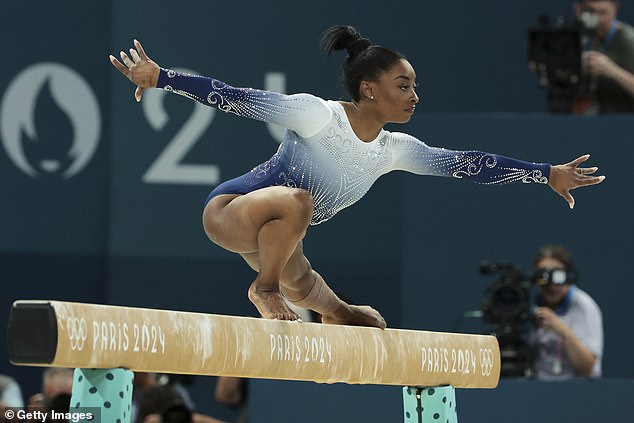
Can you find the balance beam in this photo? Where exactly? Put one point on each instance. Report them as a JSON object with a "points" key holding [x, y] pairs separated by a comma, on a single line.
{"points": [[76, 335]]}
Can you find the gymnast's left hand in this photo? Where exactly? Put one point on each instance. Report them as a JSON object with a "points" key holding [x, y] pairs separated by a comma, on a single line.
{"points": [[138, 68], [566, 177]]}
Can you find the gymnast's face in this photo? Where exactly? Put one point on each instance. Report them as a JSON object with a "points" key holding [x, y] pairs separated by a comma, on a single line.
{"points": [[394, 93], [552, 294]]}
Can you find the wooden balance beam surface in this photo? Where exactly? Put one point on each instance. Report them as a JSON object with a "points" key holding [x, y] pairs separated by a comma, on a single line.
{"points": [[76, 335]]}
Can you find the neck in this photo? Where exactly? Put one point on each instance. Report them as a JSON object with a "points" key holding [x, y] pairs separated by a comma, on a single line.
{"points": [[365, 121], [601, 38]]}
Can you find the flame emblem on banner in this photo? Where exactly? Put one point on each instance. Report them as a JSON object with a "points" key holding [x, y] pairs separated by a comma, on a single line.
{"points": [[72, 96]]}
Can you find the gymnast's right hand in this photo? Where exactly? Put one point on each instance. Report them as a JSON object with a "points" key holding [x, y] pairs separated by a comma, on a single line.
{"points": [[138, 68]]}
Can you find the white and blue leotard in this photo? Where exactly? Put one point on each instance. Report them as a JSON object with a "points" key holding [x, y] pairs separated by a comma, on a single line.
{"points": [[321, 153]]}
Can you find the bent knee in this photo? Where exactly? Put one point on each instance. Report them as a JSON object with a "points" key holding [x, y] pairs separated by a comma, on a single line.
{"points": [[210, 226], [214, 218]]}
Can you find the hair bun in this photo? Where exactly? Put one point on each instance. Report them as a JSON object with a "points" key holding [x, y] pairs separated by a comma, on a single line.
{"points": [[357, 46], [344, 37]]}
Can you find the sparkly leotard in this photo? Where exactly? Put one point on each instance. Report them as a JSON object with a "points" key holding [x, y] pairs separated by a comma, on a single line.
{"points": [[321, 153]]}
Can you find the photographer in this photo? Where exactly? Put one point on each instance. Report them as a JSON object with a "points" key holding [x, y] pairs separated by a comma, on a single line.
{"points": [[57, 385], [608, 59], [167, 403], [568, 339]]}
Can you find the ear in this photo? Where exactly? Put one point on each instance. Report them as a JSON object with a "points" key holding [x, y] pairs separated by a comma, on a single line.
{"points": [[577, 7], [366, 89]]}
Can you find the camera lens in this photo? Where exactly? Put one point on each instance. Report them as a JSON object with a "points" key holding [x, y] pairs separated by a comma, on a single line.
{"points": [[506, 299]]}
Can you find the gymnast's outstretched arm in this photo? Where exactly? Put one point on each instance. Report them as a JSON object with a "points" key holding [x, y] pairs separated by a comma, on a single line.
{"points": [[411, 154], [305, 114]]}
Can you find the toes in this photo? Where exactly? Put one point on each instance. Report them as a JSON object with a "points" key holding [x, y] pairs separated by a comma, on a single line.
{"points": [[382, 324], [284, 316]]}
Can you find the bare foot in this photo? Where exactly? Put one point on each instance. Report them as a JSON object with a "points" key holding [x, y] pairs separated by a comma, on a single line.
{"points": [[355, 316], [271, 304]]}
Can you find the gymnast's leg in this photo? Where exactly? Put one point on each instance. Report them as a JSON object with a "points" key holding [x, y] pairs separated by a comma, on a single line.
{"points": [[303, 286], [267, 224]]}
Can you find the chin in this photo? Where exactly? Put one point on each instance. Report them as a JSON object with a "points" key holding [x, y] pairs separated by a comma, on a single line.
{"points": [[553, 301]]}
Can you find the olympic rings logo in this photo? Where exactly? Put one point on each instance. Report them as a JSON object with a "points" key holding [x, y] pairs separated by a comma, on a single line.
{"points": [[486, 361], [77, 332]]}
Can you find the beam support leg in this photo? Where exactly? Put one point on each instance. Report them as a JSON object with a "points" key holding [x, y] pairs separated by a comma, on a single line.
{"points": [[104, 391], [427, 405]]}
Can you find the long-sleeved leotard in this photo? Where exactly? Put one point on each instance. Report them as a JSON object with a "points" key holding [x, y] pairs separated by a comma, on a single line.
{"points": [[321, 153]]}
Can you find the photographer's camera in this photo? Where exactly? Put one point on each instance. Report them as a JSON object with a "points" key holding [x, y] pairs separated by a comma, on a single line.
{"points": [[507, 308]]}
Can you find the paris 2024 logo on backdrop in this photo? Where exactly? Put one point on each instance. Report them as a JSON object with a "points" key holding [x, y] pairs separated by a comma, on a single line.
{"points": [[50, 122]]}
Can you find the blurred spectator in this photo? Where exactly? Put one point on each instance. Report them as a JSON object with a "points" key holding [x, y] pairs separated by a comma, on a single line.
{"points": [[10, 393], [181, 384], [164, 404], [57, 385], [608, 60], [233, 392], [143, 381], [568, 339], [56, 392]]}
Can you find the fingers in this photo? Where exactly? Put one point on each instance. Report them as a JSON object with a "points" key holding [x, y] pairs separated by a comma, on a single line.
{"points": [[586, 170], [589, 180], [569, 199], [571, 202], [382, 323], [126, 60], [138, 93], [138, 46], [129, 64], [581, 182], [118, 65], [579, 160], [134, 55], [129, 61]]}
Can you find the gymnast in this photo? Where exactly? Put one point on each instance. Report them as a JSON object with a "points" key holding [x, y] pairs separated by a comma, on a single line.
{"points": [[331, 154]]}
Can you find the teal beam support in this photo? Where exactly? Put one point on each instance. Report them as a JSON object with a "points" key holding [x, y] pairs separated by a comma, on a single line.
{"points": [[428, 405], [107, 392], [411, 404]]}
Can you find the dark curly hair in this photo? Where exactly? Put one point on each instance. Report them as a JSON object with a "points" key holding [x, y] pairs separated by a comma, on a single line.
{"points": [[365, 61], [557, 252]]}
